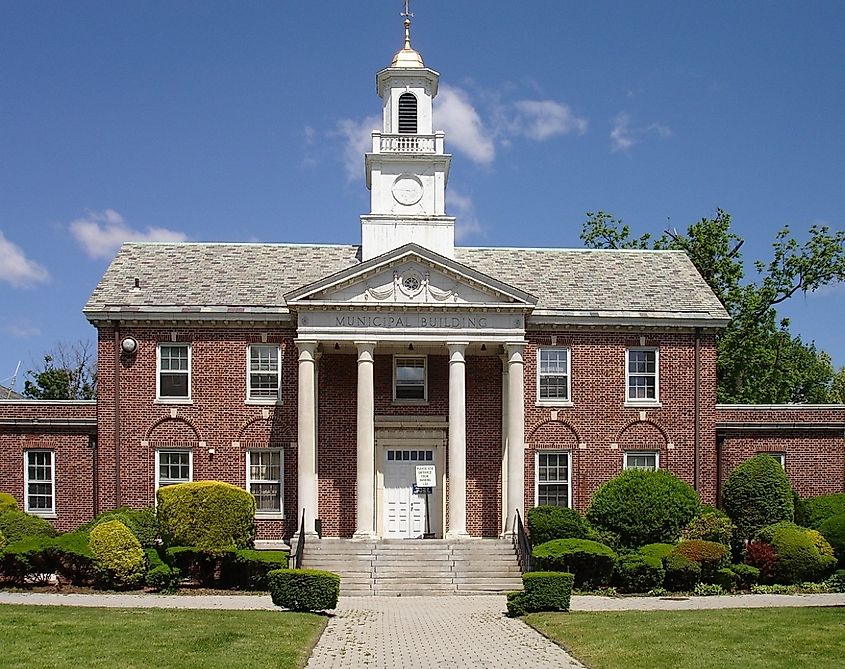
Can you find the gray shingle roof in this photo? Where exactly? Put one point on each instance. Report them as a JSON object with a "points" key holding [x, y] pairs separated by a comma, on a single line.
{"points": [[201, 277]]}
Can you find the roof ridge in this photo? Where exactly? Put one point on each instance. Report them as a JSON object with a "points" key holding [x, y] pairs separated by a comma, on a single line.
{"points": [[563, 248]]}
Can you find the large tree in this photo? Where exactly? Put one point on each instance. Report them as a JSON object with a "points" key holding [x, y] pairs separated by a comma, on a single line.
{"points": [[68, 372], [759, 359]]}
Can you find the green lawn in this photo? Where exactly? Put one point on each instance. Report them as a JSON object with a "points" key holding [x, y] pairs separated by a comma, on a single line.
{"points": [[60, 637], [740, 638]]}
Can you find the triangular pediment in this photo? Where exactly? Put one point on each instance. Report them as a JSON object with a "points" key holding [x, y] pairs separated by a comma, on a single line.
{"points": [[411, 275]]}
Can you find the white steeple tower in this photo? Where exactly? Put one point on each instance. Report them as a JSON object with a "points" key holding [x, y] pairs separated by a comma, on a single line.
{"points": [[407, 170]]}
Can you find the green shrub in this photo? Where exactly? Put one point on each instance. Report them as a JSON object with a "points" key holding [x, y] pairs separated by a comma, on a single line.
{"points": [[7, 502], [822, 545], [212, 516], [659, 551], [141, 522], [16, 525], [249, 568], [710, 555], [204, 567], [118, 555], [605, 537], [746, 575], [160, 576], [73, 557], [543, 591], [757, 493], [798, 558], [25, 559], [710, 527], [590, 562], [836, 582], [547, 522], [682, 574], [726, 579], [816, 510], [2, 541], [706, 509], [304, 589], [643, 507], [636, 572], [833, 529]]}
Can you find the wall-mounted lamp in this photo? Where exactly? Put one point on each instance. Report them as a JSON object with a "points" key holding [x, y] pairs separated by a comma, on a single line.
{"points": [[129, 346]]}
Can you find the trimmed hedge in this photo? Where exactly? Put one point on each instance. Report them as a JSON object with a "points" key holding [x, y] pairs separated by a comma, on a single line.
{"points": [[643, 507], [726, 579], [160, 576], [7, 502], [746, 575], [798, 558], [141, 522], [542, 591], [304, 589], [636, 572], [17, 525], [119, 558], [710, 527], [26, 558], [214, 517], [206, 568], [710, 555], [659, 551], [591, 562], [682, 574], [816, 510], [833, 529], [548, 522], [73, 558], [756, 494], [250, 568]]}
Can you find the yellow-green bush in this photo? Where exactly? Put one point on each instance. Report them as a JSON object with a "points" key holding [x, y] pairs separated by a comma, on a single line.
{"points": [[7, 502], [211, 516], [2, 541], [118, 555]]}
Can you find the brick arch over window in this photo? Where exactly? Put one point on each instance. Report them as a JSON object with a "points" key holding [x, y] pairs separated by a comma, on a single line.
{"points": [[173, 430], [266, 431], [642, 435]]}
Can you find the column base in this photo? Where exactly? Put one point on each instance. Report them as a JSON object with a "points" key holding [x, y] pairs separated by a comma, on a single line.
{"points": [[364, 535], [458, 536]]}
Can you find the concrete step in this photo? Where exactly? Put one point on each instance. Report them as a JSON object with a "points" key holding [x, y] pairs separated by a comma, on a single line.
{"points": [[422, 569], [504, 583], [412, 557], [414, 590]]}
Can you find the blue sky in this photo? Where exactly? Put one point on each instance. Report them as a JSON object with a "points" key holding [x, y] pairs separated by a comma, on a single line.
{"points": [[247, 121]]}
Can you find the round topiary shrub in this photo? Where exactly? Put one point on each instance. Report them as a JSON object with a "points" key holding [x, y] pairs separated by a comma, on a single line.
{"points": [[643, 507], [141, 522], [710, 527], [118, 555], [756, 494], [16, 525], [746, 575], [636, 572], [682, 574], [304, 589], [711, 556], [833, 529], [798, 557], [591, 562], [659, 551], [816, 510], [547, 522], [211, 516], [7, 502]]}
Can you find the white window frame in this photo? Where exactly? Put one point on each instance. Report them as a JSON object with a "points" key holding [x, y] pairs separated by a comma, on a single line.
{"points": [[280, 514], [158, 478], [263, 400], [638, 401], [555, 401], [173, 400], [780, 456], [546, 451], [656, 455], [424, 399], [46, 513]]}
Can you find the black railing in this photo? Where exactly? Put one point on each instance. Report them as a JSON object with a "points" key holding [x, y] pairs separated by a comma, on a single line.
{"points": [[300, 544], [521, 544]]}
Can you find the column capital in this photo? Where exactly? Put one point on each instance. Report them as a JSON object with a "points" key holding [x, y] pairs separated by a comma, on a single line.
{"points": [[365, 349], [307, 348], [457, 349], [514, 351]]}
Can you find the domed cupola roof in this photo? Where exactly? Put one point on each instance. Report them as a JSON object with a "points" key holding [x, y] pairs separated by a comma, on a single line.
{"points": [[407, 57]]}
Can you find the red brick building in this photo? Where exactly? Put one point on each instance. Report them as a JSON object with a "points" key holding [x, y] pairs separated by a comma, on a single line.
{"points": [[327, 379]]}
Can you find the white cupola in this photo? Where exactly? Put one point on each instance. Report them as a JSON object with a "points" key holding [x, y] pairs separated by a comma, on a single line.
{"points": [[407, 169]]}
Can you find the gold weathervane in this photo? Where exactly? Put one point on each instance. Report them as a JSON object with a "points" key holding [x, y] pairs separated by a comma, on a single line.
{"points": [[407, 13]]}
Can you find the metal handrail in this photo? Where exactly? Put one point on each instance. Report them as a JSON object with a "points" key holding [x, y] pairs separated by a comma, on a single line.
{"points": [[521, 544], [300, 544]]}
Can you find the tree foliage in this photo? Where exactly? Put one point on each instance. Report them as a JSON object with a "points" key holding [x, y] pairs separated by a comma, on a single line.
{"points": [[759, 359], [69, 372]]}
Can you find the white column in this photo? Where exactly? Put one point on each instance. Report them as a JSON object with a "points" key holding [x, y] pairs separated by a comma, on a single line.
{"points": [[457, 442], [515, 434], [366, 440], [306, 460], [504, 491]]}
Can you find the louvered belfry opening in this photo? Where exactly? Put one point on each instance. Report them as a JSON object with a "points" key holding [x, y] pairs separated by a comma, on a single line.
{"points": [[408, 114]]}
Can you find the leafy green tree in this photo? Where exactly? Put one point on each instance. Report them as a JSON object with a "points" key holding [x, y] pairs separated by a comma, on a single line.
{"points": [[69, 372], [759, 359]]}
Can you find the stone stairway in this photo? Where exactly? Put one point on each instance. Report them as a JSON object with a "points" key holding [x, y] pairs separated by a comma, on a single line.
{"points": [[417, 567]]}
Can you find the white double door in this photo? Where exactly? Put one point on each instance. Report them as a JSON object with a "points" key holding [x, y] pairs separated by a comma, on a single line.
{"points": [[405, 510]]}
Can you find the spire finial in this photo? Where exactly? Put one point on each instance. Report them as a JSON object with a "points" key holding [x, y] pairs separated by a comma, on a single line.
{"points": [[408, 16]]}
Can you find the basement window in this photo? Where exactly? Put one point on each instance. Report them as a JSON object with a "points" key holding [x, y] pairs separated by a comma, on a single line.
{"points": [[646, 460]]}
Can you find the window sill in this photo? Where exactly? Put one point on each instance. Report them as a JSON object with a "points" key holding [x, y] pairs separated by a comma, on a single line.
{"points": [[173, 400], [553, 405], [269, 516], [47, 515], [264, 403], [409, 403], [643, 405]]}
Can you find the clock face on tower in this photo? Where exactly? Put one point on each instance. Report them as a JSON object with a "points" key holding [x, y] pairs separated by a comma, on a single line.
{"points": [[407, 189]]}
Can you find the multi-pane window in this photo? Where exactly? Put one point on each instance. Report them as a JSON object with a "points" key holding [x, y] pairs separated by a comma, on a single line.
{"points": [[642, 375], [174, 467], [410, 455], [409, 378], [264, 480], [40, 481], [553, 478], [553, 374], [780, 457], [174, 371], [263, 372], [647, 460]]}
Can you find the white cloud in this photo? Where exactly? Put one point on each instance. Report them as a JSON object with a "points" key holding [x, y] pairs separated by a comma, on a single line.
{"points": [[623, 136], [18, 270], [358, 140], [543, 119], [21, 329], [462, 207], [101, 233], [458, 118]]}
